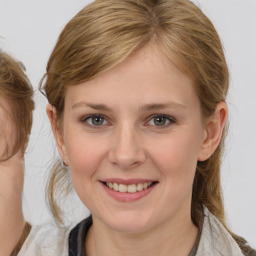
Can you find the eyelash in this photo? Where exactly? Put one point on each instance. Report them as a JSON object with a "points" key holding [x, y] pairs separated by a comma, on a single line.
{"points": [[86, 118], [168, 118]]}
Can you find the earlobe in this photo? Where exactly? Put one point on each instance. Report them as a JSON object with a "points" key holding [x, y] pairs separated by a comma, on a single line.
{"points": [[214, 128], [52, 115]]}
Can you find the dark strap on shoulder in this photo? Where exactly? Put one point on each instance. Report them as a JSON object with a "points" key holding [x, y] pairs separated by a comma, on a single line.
{"points": [[77, 237]]}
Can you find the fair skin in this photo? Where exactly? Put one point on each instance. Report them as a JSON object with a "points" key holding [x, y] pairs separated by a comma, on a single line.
{"points": [[137, 125], [11, 186]]}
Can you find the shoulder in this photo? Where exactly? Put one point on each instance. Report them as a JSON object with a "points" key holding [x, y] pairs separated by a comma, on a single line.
{"points": [[46, 240], [215, 239]]}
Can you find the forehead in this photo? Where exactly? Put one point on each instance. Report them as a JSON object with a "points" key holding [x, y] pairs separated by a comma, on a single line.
{"points": [[146, 77]]}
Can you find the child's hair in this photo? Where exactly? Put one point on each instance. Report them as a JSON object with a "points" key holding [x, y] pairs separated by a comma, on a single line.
{"points": [[16, 99], [17, 92], [105, 33]]}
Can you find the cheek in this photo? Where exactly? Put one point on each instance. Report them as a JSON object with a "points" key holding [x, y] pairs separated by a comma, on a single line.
{"points": [[84, 159], [176, 158], [7, 134], [84, 155], [176, 161]]}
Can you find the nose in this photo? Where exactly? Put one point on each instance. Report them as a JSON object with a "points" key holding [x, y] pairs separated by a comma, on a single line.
{"points": [[127, 149]]}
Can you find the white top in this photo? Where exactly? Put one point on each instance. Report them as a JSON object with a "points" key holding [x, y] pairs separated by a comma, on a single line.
{"points": [[49, 240], [46, 240], [215, 239]]}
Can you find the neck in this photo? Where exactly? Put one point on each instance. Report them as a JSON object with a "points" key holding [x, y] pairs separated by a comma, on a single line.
{"points": [[174, 238]]}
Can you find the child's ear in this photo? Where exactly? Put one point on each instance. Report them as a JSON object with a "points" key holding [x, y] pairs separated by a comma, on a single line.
{"points": [[214, 127], [52, 115]]}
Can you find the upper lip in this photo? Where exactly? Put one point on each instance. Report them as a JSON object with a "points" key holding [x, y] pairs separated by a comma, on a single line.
{"points": [[127, 181]]}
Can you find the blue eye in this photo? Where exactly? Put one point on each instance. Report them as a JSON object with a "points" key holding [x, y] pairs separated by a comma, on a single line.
{"points": [[161, 120], [95, 120]]}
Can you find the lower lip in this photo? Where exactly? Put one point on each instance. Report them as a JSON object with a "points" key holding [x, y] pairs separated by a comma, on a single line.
{"points": [[128, 197]]}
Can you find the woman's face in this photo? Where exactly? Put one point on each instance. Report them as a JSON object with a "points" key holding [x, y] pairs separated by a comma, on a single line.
{"points": [[132, 138]]}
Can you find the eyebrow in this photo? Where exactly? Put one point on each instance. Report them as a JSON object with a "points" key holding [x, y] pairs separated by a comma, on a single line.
{"points": [[147, 107], [156, 106], [91, 105]]}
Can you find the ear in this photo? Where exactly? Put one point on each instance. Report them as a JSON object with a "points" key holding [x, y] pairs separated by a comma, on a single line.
{"points": [[214, 127], [52, 115]]}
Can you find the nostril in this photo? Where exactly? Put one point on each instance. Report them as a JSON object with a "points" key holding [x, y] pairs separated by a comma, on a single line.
{"points": [[126, 160]]}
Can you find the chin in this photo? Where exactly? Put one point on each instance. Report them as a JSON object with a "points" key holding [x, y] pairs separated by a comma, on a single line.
{"points": [[129, 222]]}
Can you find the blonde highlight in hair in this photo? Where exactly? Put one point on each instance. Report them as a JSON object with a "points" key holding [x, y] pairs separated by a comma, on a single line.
{"points": [[59, 178], [106, 32]]}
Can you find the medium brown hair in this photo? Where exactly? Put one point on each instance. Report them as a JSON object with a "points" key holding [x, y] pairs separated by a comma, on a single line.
{"points": [[17, 92], [106, 32]]}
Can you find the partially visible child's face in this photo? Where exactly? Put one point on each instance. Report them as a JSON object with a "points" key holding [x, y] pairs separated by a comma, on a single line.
{"points": [[7, 135], [138, 127]]}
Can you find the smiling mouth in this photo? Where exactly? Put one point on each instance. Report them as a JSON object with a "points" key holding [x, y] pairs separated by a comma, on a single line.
{"points": [[131, 188]]}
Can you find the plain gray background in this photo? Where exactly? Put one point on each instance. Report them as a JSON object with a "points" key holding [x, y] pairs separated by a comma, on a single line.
{"points": [[29, 30]]}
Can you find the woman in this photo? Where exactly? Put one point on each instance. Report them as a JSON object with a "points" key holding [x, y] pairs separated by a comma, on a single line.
{"points": [[136, 93], [16, 106]]}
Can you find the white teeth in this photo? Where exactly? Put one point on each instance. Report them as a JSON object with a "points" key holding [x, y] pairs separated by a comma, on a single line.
{"points": [[110, 185], [123, 188], [115, 187], [132, 188], [140, 187]]}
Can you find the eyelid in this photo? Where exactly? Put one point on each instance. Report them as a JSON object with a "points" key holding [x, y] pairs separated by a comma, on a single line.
{"points": [[168, 117], [84, 119]]}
